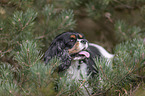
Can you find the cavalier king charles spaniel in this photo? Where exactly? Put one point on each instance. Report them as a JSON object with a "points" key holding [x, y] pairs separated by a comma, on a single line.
{"points": [[76, 54]]}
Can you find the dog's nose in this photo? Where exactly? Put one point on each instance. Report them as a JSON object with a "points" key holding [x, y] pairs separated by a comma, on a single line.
{"points": [[84, 41]]}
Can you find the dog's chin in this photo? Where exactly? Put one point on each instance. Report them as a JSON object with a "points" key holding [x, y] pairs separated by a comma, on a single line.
{"points": [[80, 55]]}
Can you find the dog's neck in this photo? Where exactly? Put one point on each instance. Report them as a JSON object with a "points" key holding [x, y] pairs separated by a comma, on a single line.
{"points": [[77, 71]]}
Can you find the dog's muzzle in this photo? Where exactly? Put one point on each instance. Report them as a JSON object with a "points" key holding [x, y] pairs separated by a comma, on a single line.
{"points": [[78, 52]]}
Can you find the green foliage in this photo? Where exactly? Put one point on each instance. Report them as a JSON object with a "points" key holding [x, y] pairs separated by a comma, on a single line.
{"points": [[26, 57], [55, 23], [22, 25], [3, 37], [128, 61], [96, 8], [22, 3], [126, 32], [7, 84], [32, 78], [20, 28], [73, 4], [66, 87]]}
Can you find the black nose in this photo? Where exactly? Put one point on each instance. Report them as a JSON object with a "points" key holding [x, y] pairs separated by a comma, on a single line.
{"points": [[84, 41]]}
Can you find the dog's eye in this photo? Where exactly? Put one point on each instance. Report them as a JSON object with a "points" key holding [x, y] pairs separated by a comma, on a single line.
{"points": [[72, 40]]}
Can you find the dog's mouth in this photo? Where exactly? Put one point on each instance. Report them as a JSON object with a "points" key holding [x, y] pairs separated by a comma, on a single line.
{"points": [[78, 52], [84, 53], [80, 55]]}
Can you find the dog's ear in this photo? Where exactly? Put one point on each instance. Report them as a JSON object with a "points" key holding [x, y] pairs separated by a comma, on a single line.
{"points": [[55, 48]]}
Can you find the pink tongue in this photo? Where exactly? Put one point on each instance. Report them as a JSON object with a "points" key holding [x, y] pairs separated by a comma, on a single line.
{"points": [[85, 53]]}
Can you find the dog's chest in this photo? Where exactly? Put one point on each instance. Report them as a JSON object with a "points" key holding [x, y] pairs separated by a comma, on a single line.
{"points": [[77, 71]]}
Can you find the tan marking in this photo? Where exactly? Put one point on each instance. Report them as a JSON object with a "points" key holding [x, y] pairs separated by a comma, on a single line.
{"points": [[75, 48], [73, 36], [80, 36]]}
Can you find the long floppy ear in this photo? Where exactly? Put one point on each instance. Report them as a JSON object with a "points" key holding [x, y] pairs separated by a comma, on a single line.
{"points": [[55, 49]]}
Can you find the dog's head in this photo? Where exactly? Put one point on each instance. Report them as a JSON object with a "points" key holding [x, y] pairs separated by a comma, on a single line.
{"points": [[68, 45]]}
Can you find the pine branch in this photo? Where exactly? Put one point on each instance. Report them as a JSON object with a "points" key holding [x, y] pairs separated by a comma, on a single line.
{"points": [[55, 22]]}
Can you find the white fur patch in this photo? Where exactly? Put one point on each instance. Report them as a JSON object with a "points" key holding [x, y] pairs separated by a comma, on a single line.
{"points": [[102, 51], [77, 73], [104, 54], [81, 45]]}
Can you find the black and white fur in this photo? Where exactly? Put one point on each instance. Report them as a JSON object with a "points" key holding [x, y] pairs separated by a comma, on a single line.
{"points": [[67, 46]]}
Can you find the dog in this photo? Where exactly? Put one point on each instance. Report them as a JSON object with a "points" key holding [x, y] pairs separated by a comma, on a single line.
{"points": [[76, 54]]}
